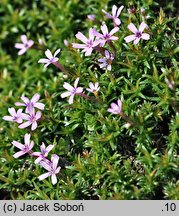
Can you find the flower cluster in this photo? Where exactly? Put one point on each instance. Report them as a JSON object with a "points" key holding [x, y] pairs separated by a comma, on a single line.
{"points": [[30, 116], [50, 165]]}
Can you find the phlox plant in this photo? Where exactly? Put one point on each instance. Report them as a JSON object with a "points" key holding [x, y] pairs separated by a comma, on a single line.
{"points": [[89, 100]]}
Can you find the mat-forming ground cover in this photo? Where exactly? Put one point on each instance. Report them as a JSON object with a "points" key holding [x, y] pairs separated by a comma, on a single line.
{"points": [[89, 99]]}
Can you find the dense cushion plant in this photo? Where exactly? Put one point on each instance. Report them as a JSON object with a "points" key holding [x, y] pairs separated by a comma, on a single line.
{"points": [[98, 118]]}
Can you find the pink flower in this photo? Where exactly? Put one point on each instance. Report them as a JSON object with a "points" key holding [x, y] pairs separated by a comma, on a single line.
{"points": [[26, 148], [30, 104], [106, 61], [51, 168], [89, 43], [116, 108], [31, 120], [91, 17], [43, 154], [106, 37], [137, 33], [50, 58], [115, 15], [15, 116], [25, 45], [71, 90], [93, 87]]}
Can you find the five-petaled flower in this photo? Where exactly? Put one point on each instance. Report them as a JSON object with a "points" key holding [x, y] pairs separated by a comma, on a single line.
{"points": [[107, 36], [15, 116], [116, 108], [31, 118], [25, 45], [51, 168], [71, 90], [115, 14], [89, 43], [43, 154], [93, 87], [26, 148], [31, 104], [138, 34], [50, 58], [106, 61]]}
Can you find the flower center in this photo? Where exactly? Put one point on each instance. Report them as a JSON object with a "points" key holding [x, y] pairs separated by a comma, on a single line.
{"points": [[107, 36], [32, 118], [73, 91], [138, 34], [89, 43]]}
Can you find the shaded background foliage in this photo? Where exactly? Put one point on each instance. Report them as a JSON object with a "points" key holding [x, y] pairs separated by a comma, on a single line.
{"points": [[100, 157]]}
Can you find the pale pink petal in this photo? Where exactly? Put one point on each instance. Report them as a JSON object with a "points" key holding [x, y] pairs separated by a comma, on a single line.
{"points": [[35, 98], [19, 104], [12, 111], [70, 101], [65, 94], [30, 43], [97, 34], [119, 10], [37, 154], [78, 46], [27, 139], [34, 126], [19, 112], [18, 154], [81, 37], [89, 90], [142, 26], [25, 99], [38, 160], [107, 54], [91, 35], [18, 145], [132, 27], [39, 106], [57, 170], [8, 118], [48, 54], [25, 116], [102, 60], [24, 39], [114, 106], [31, 145], [111, 111], [114, 9], [136, 41], [24, 125], [19, 46], [54, 179], [56, 52], [19, 120], [145, 36], [43, 60], [38, 115], [79, 90], [119, 104], [68, 86], [43, 176], [109, 67], [117, 21], [76, 82], [22, 51], [104, 29], [114, 38], [46, 65], [91, 85], [49, 148], [130, 38], [88, 51], [54, 160], [108, 15], [45, 165]]}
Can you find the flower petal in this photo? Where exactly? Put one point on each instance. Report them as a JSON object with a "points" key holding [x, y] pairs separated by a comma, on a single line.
{"points": [[114, 9], [45, 165], [65, 94], [18, 145], [24, 125], [24, 39], [54, 179], [136, 41], [43, 60], [132, 27], [76, 82], [145, 36], [22, 51], [119, 10], [19, 46], [130, 38], [68, 86], [27, 139], [142, 26], [70, 101], [81, 37], [48, 54], [18, 154], [43, 176], [56, 52], [104, 29], [39, 106]]}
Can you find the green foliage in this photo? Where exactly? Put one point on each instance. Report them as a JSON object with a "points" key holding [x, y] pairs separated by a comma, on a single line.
{"points": [[101, 158]]}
